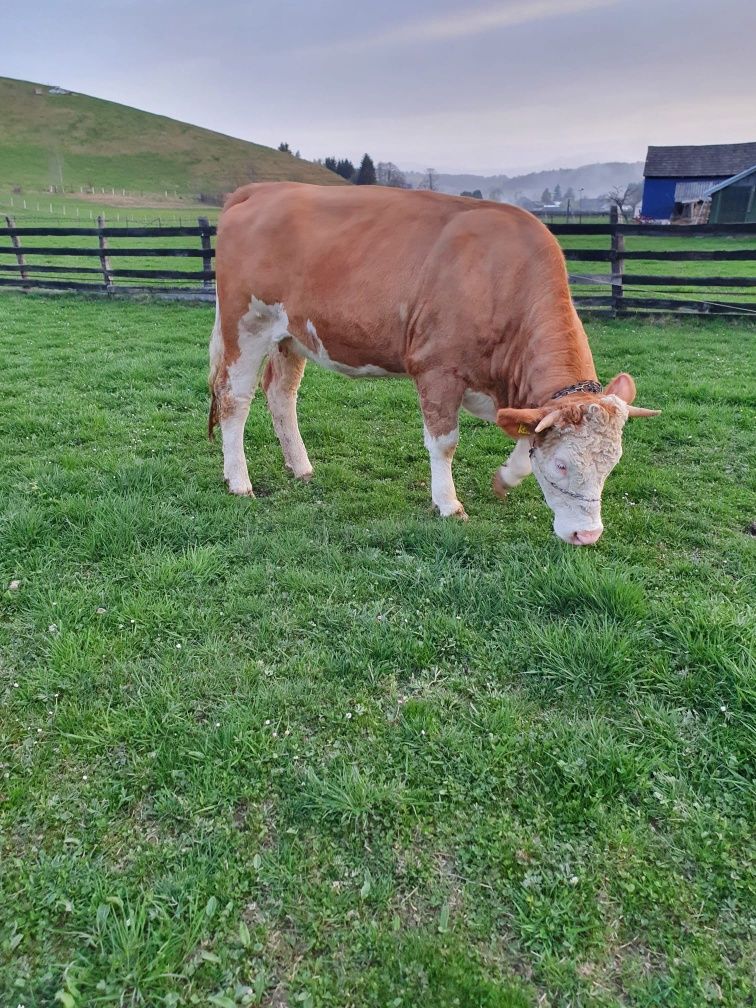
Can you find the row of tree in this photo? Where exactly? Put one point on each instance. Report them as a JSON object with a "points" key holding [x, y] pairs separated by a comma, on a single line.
{"points": [[557, 196], [367, 174], [385, 173]]}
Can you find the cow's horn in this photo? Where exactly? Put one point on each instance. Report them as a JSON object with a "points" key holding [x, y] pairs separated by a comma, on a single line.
{"points": [[638, 411], [548, 421]]}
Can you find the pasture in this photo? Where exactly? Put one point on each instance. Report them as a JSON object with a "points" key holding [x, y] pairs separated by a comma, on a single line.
{"points": [[322, 748]]}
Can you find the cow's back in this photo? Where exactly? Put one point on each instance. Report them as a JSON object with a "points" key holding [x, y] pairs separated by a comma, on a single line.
{"points": [[369, 267]]}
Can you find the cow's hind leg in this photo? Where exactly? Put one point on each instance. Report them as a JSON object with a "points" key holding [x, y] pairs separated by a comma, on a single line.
{"points": [[514, 470], [440, 400], [283, 375], [238, 349]]}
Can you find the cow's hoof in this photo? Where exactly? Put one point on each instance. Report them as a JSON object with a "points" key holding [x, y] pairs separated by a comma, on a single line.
{"points": [[305, 477], [500, 488], [453, 511], [240, 489]]}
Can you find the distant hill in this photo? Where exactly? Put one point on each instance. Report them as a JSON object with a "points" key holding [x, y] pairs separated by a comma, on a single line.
{"points": [[74, 140], [593, 179]]}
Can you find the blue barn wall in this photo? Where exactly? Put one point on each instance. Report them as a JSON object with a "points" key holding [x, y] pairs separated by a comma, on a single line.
{"points": [[659, 195]]}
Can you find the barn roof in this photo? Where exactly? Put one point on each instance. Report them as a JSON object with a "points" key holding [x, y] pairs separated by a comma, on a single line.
{"points": [[736, 178], [708, 161]]}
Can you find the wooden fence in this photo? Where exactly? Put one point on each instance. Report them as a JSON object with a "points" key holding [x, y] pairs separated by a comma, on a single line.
{"points": [[94, 265]]}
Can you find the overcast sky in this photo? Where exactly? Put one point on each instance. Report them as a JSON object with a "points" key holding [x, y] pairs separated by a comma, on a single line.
{"points": [[488, 86]]}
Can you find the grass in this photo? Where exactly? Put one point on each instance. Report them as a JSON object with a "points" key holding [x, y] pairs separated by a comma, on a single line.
{"points": [[323, 749], [75, 140], [55, 211], [661, 243]]}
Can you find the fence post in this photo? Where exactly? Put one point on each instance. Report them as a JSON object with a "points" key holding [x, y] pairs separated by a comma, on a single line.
{"points": [[16, 242], [207, 261], [617, 261], [107, 278]]}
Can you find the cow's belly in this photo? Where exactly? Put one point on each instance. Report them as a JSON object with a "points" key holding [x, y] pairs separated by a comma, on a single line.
{"points": [[310, 346]]}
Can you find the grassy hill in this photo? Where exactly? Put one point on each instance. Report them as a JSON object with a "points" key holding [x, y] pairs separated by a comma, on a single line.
{"points": [[73, 140]]}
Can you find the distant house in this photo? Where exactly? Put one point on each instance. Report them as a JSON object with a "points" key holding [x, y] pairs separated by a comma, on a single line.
{"points": [[734, 200], [681, 175], [57, 90]]}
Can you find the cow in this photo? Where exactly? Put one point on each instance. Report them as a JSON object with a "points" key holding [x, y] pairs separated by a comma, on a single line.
{"points": [[468, 298]]}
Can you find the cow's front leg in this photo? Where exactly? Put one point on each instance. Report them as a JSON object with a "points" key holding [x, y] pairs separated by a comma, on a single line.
{"points": [[514, 470], [440, 400]]}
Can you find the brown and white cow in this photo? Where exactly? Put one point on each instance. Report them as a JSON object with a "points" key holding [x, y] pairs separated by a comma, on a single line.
{"points": [[468, 298]]}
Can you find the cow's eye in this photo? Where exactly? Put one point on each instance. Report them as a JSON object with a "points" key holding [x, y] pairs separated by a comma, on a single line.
{"points": [[561, 467]]}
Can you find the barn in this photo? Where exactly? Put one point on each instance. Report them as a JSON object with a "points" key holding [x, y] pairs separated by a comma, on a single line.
{"points": [[734, 201], [676, 174]]}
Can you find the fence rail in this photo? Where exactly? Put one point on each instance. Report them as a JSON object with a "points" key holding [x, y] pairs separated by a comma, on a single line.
{"points": [[105, 263]]}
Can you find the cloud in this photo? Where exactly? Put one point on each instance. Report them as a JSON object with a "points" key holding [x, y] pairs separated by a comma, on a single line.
{"points": [[468, 23]]}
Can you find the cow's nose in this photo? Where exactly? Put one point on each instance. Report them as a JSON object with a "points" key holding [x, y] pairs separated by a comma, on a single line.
{"points": [[587, 537]]}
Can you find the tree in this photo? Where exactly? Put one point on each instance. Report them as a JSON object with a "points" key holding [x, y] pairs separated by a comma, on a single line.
{"points": [[330, 164], [627, 198], [557, 193], [634, 196], [284, 148], [430, 180], [345, 168], [546, 196], [496, 195], [475, 194], [570, 194], [387, 174], [366, 174]]}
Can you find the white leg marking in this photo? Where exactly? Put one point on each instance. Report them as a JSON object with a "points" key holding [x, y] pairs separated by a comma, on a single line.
{"points": [[235, 470], [441, 450], [286, 375], [258, 329], [514, 470]]}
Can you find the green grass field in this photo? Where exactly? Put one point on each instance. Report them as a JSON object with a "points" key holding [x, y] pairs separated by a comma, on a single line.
{"points": [[322, 748], [74, 140], [45, 210]]}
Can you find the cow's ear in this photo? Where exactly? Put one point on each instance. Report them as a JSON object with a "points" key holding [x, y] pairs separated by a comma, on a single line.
{"points": [[622, 386], [519, 423]]}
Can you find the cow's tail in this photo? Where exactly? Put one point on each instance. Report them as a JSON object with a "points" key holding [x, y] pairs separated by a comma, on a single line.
{"points": [[216, 356]]}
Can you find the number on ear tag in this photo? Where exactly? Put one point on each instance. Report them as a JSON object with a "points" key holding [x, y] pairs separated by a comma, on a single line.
{"points": [[522, 429]]}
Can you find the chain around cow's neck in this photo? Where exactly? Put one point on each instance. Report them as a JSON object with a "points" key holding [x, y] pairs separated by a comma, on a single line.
{"points": [[582, 386]]}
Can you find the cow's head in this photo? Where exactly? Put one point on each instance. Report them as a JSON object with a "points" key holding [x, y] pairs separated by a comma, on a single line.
{"points": [[575, 444]]}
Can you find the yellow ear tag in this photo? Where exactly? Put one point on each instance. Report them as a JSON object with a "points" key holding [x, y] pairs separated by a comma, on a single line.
{"points": [[522, 429]]}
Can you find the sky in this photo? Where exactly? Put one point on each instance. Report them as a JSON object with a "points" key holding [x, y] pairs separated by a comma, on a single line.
{"points": [[486, 86]]}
